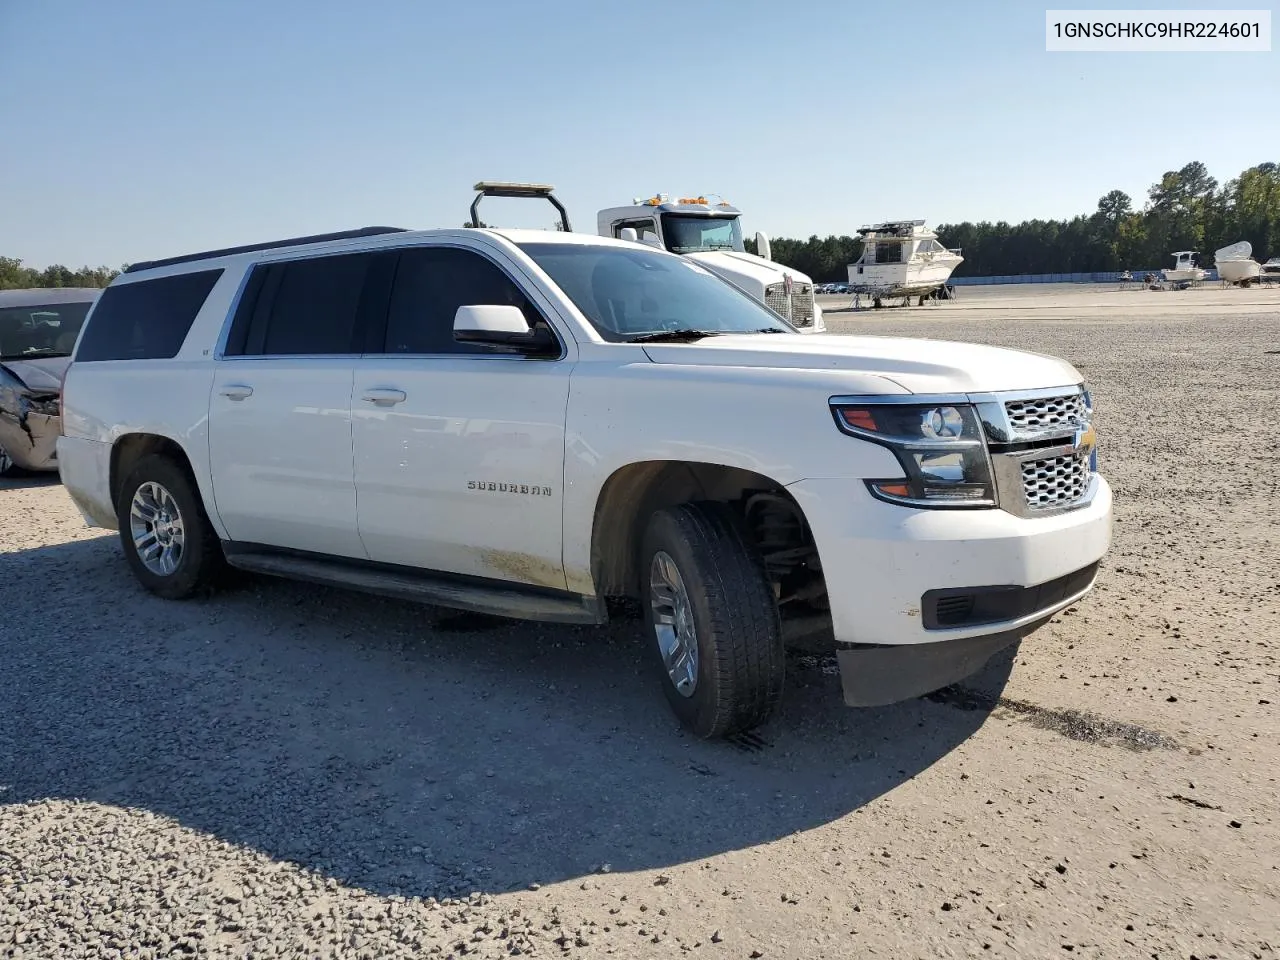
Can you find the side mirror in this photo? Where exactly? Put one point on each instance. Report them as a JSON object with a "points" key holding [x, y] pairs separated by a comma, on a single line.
{"points": [[629, 234], [500, 325], [762, 246]]}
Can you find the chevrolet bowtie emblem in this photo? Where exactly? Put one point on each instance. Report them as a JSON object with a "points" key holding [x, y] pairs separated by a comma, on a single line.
{"points": [[1085, 438]]}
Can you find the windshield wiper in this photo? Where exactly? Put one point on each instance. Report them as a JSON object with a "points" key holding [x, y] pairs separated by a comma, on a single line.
{"points": [[674, 336], [36, 352]]}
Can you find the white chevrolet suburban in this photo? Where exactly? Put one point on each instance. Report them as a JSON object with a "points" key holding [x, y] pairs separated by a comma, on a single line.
{"points": [[530, 424]]}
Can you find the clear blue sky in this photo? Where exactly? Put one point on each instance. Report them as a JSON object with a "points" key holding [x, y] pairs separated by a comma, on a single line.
{"points": [[132, 129]]}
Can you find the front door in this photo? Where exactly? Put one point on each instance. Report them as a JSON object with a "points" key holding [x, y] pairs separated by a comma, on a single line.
{"points": [[280, 409], [459, 448]]}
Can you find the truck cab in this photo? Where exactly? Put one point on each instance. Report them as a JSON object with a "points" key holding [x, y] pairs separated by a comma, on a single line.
{"points": [[711, 234]]}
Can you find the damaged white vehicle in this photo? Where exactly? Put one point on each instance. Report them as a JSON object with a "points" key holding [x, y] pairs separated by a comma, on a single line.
{"points": [[530, 423], [38, 330]]}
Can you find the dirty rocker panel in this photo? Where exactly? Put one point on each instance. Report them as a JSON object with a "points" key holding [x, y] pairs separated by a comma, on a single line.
{"points": [[473, 594]]}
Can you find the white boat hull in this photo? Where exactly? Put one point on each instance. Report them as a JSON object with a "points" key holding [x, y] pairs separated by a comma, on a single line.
{"points": [[1233, 271], [1185, 274], [913, 279]]}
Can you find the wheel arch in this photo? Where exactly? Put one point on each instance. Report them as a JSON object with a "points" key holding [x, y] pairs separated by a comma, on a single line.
{"points": [[129, 449], [633, 492]]}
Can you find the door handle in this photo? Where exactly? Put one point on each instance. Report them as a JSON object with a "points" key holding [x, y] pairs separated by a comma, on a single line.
{"points": [[383, 396], [236, 391]]}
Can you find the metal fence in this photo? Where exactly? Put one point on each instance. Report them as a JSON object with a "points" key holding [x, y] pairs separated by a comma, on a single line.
{"points": [[1108, 276]]}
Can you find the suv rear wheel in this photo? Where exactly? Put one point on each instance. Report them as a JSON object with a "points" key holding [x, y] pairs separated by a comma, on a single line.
{"points": [[165, 532], [712, 619]]}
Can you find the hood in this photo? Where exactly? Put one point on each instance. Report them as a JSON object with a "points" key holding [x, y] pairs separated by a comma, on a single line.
{"points": [[40, 374], [744, 269], [919, 366]]}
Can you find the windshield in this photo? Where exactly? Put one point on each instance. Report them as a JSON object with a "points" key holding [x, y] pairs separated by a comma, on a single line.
{"points": [[685, 234], [40, 331], [628, 293]]}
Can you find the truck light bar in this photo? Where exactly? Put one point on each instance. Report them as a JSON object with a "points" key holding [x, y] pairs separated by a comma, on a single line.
{"points": [[504, 188], [658, 199]]}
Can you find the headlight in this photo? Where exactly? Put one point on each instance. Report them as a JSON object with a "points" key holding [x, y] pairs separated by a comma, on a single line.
{"points": [[940, 446]]}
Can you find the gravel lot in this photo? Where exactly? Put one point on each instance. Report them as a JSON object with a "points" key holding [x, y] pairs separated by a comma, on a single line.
{"points": [[284, 770]]}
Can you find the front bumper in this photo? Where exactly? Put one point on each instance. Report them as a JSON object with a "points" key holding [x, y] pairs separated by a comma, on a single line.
{"points": [[30, 439], [878, 676], [894, 574]]}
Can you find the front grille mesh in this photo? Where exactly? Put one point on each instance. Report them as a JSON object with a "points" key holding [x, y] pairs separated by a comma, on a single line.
{"points": [[1055, 481], [798, 308], [802, 305], [1045, 412], [775, 298]]}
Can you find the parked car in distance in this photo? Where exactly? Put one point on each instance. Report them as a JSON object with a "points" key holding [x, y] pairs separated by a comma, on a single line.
{"points": [[530, 423], [38, 330]]}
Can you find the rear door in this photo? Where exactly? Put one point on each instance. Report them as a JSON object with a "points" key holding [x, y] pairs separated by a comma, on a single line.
{"points": [[280, 408], [459, 447]]}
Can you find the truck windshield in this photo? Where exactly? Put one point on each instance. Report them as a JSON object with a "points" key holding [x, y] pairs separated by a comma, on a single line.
{"points": [[685, 234], [47, 330], [629, 293]]}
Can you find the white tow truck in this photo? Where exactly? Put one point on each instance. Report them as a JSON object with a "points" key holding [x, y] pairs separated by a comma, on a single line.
{"points": [[711, 234]]}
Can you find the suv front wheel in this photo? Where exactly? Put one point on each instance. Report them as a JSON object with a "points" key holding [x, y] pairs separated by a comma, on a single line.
{"points": [[167, 539], [713, 623]]}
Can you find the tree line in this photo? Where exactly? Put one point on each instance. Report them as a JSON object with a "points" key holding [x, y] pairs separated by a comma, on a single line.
{"points": [[1185, 210], [14, 276]]}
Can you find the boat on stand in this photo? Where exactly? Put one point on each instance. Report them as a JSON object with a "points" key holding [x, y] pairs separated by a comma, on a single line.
{"points": [[1236, 264], [1186, 268], [901, 258]]}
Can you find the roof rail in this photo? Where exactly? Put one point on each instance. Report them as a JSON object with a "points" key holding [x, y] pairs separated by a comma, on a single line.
{"points": [[271, 245]]}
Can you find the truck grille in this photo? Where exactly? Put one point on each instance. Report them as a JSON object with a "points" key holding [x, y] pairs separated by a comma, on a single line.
{"points": [[802, 305], [798, 308], [1055, 481], [1045, 412]]}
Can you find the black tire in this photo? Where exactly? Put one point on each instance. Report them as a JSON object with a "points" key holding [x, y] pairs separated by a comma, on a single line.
{"points": [[201, 563], [741, 662]]}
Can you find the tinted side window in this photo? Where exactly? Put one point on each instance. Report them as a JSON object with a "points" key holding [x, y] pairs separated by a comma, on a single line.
{"points": [[431, 283], [301, 307], [146, 320]]}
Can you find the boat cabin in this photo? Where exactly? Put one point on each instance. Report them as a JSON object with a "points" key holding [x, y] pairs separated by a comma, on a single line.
{"points": [[898, 241]]}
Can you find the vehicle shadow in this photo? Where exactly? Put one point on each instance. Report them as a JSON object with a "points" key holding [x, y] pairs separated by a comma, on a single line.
{"points": [[404, 749], [22, 480]]}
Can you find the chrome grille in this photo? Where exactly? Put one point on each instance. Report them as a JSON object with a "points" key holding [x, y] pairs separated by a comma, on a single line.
{"points": [[1045, 412], [775, 298], [802, 304], [798, 308], [1055, 481]]}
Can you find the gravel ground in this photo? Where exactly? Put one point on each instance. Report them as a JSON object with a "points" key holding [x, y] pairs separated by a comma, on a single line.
{"points": [[284, 770]]}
